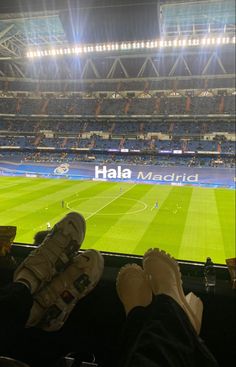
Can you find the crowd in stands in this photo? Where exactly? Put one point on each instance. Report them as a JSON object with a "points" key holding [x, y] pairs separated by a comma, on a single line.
{"points": [[105, 135], [188, 128], [184, 105], [96, 142], [144, 159]]}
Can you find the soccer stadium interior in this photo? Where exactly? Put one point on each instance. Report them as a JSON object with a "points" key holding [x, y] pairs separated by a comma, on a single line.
{"points": [[124, 111]]}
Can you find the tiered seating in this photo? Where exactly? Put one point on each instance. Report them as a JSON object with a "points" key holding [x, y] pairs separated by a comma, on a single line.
{"points": [[203, 105]]}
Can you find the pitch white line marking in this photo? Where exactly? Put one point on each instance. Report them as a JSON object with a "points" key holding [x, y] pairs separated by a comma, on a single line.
{"points": [[111, 201], [144, 205]]}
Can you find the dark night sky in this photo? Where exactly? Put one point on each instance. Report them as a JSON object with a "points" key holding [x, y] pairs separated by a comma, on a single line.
{"points": [[97, 20], [8, 6]]}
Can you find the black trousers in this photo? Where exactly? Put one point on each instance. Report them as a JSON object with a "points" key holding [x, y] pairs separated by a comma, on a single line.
{"points": [[161, 335], [15, 305]]}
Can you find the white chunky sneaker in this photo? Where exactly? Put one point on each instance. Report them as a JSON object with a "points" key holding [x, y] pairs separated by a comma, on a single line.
{"points": [[164, 276], [54, 303], [54, 254]]}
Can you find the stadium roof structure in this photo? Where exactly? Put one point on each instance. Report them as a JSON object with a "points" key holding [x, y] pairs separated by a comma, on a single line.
{"points": [[40, 45], [118, 22], [20, 31], [198, 17]]}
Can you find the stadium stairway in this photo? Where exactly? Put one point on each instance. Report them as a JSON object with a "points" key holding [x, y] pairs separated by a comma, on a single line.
{"points": [[96, 323]]}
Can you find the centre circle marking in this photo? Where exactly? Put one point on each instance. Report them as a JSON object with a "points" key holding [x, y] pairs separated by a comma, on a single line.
{"points": [[144, 205]]}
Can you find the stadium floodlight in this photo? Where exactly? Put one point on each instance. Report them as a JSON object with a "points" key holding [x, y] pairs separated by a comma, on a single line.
{"points": [[136, 45]]}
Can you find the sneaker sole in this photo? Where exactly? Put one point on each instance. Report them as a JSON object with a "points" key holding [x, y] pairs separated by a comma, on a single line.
{"points": [[54, 303], [122, 272], [194, 308], [55, 252]]}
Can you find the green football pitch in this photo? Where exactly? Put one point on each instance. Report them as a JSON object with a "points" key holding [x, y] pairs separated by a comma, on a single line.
{"points": [[190, 223]]}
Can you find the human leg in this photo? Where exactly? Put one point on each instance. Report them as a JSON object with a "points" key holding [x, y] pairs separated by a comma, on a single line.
{"points": [[161, 333], [9, 362], [15, 305], [164, 276], [57, 275], [55, 301], [54, 254], [52, 257]]}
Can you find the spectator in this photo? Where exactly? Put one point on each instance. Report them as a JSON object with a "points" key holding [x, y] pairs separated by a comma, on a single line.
{"points": [[40, 236], [162, 324], [43, 275], [7, 262], [162, 331]]}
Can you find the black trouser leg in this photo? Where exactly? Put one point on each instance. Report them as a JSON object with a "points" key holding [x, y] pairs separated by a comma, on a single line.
{"points": [[162, 336], [15, 304]]}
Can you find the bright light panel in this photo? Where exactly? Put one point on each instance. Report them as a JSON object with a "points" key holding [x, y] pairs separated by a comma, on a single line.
{"points": [[137, 45]]}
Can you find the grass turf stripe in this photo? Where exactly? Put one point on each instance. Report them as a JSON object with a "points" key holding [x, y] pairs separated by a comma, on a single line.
{"points": [[166, 228]]}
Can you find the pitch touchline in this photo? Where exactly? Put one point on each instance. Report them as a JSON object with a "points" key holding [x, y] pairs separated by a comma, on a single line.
{"points": [[111, 201]]}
